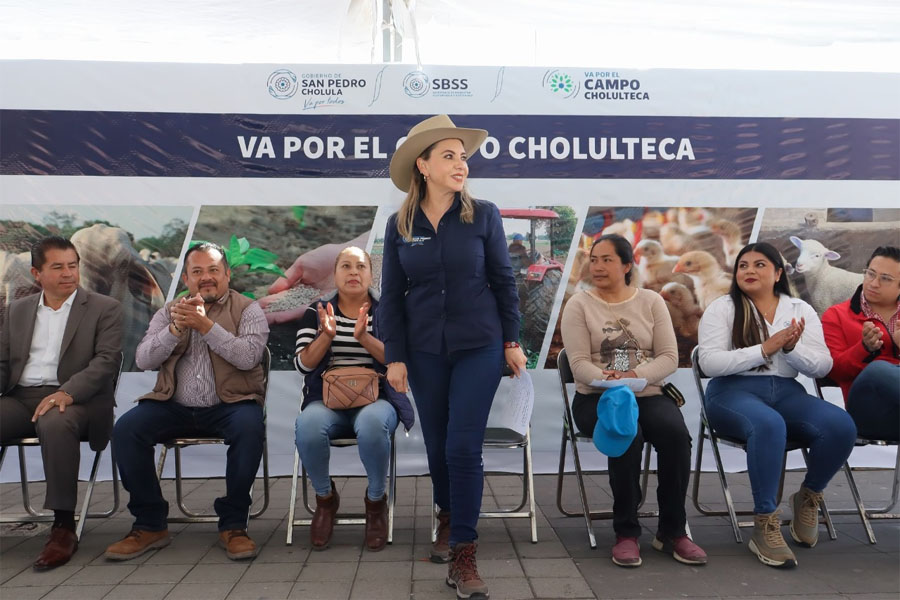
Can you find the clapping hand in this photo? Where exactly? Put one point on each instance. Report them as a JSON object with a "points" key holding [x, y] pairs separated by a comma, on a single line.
{"points": [[785, 339], [872, 337], [362, 322], [327, 321]]}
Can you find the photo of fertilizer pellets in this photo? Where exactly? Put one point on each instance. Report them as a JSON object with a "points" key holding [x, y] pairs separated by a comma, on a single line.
{"points": [[283, 256]]}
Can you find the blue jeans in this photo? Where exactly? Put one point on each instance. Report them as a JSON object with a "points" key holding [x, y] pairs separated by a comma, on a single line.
{"points": [[372, 427], [874, 401], [454, 392], [152, 422], [767, 410]]}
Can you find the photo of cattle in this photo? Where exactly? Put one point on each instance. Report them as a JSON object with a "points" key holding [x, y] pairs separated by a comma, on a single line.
{"points": [[127, 252], [686, 254], [827, 249]]}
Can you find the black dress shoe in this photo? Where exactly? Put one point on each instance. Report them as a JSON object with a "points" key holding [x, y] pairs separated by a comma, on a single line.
{"points": [[58, 550]]}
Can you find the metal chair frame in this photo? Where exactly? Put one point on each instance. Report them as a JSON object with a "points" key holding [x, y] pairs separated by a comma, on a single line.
{"points": [[571, 436], [347, 518], [35, 516], [865, 514], [501, 437], [179, 443], [708, 433]]}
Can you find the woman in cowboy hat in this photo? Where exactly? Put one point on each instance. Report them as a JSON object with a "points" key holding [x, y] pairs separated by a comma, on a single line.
{"points": [[449, 319]]}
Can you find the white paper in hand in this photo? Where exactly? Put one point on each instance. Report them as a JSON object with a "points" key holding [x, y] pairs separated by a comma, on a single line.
{"points": [[637, 384], [513, 403]]}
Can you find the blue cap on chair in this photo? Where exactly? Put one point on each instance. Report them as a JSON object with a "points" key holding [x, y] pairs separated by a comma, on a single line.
{"points": [[617, 416]]}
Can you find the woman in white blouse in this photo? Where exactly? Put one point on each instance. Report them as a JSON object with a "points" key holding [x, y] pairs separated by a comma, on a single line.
{"points": [[753, 343]]}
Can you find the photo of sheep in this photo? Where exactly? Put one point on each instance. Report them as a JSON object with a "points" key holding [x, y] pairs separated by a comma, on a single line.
{"points": [[127, 252], [686, 254], [283, 256], [538, 239], [826, 249]]}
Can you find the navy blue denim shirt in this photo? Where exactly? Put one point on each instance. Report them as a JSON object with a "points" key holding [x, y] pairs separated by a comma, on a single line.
{"points": [[312, 382], [450, 289]]}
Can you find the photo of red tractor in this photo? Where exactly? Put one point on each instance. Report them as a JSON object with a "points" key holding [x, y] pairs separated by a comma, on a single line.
{"points": [[538, 273]]}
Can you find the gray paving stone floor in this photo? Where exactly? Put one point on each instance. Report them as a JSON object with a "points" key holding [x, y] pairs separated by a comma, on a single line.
{"points": [[560, 565]]}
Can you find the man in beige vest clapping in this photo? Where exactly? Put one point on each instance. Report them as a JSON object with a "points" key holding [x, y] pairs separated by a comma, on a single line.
{"points": [[207, 347]]}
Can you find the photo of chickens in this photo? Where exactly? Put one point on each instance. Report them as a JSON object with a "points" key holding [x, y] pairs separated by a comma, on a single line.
{"points": [[686, 254]]}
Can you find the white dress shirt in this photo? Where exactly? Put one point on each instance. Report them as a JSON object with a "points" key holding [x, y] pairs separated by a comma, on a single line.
{"points": [[718, 357], [46, 342]]}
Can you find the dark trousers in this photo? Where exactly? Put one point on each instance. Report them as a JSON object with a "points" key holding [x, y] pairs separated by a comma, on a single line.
{"points": [[874, 401], [152, 422], [60, 434], [454, 392], [660, 423]]}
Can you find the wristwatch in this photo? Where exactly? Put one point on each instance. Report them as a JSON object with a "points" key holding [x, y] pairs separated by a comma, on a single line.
{"points": [[511, 345]]}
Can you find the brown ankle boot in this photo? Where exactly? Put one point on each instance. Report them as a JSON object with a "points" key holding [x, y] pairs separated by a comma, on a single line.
{"points": [[462, 573], [440, 549], [323, 520], [376, 523]]}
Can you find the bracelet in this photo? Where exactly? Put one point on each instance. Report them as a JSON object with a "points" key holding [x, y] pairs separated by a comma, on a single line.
{"points": [[511, 345], [177, 328], [764, 355]]}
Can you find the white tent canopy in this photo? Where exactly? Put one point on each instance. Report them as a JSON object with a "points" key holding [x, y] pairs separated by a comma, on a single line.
{"points": [[832, 35]]}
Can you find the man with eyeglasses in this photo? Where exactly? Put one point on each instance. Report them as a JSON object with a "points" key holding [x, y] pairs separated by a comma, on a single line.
{"points": [[863, 336]]}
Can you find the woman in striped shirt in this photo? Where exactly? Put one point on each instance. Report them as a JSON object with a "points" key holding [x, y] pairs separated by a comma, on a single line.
{"points": [[339, 333]]}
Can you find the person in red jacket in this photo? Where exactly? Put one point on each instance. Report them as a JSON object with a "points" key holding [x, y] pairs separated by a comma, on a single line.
{"points": [[863, 335]]}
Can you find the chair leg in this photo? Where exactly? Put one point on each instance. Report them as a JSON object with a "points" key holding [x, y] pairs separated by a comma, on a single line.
{"points": [[729, 502], [392, 489], [645, 476], [265, 463], [26, 495], [87, 495], [292, 506], [885, 511], [857, 499], [529, 471], [161, 462], [579, 476]]}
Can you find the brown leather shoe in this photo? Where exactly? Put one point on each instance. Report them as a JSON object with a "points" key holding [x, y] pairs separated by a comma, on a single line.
{"points": [[137, 542], [58, 550], [237, 544], [322, 525], [376, 523], [440, 549]]}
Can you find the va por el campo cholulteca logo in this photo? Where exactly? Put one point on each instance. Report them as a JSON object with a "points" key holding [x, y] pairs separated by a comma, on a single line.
{"points": [[416, 84], [282, 84], [560, 83]]}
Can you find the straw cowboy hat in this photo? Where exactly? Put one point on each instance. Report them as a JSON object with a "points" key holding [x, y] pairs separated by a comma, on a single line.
{"points": [[424, 134]]}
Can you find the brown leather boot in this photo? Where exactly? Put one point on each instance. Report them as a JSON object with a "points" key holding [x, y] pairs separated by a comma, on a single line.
{"points": [[376, 523], [322, 525], [440, 549], [462, 573]]}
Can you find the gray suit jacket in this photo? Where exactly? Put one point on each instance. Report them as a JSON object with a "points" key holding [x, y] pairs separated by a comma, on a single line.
{"points": [[89, 357]]}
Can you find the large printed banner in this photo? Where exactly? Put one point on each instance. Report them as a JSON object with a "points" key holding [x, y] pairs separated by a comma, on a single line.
{"points": [[285, 164]]}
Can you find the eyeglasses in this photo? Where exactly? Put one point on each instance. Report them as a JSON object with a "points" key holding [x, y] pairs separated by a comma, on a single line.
{"points": [[885, 279]]}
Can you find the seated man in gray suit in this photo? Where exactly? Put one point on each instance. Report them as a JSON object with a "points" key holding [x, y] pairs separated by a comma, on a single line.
{"points": [[60, 352]]}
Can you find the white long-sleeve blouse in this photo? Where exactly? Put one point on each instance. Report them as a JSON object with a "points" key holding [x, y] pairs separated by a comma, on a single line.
{"points": [[718, 357]]}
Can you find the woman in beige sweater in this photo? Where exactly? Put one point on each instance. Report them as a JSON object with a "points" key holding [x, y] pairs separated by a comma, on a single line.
{"points": [[616, 331]]}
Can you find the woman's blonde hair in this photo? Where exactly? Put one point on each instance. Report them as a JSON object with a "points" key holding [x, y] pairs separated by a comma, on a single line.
{"points": [[416, 194]]}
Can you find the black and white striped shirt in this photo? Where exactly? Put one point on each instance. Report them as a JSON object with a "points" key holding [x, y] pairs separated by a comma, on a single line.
{"points": [[346, 350]]}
